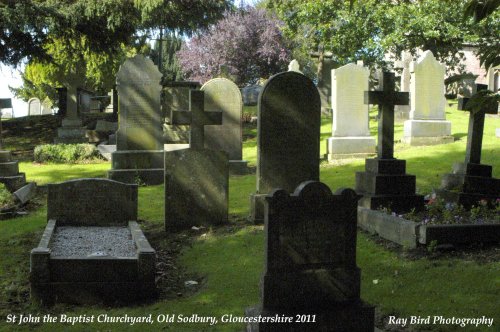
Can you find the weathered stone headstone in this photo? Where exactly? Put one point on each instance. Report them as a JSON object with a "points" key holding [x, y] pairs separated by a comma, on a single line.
{"points": [[294, 66], [9, 172], [139, 154], [310, 267], [287, 136], [385, 182], [92, 249], [325, 65], [196, 179], [72, 130], [471, 181], [175, 97], [427, 124], [402, 112], [223, 95], [34, 106], [350, 129], [47, 106]]}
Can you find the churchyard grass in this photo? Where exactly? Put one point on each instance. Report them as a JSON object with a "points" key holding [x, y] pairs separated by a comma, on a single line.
{"points": [[231, 260]]}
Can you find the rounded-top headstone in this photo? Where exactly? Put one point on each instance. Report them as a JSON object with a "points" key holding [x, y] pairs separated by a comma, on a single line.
{"points": [[288, 132], [223, 95], [34, 106]]}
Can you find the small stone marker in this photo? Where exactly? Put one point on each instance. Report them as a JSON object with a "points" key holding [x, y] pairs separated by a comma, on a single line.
{"points": [[310, 268], [427, 124], [223, 95], [287, 136], [139, 154], [92, 249], [385, 182], [34, 106], [350, 130], [471, 181], [196, 179], [294, 66]]}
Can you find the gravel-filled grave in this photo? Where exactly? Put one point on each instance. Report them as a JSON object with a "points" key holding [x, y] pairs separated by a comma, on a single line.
{"points": [[87, 241]]}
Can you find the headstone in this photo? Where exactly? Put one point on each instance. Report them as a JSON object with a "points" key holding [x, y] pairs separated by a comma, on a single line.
{"points": [[250, 94], [310, 267], [139, 154], [5, 104], [427, 124], [402, 112], [384, 183], [287, 136], [350, 129], [325, 65], [196, 179], [175, 97], [294, 66], [34, 106], [25, 193], [223, 95], [84, 101], [47, 106], [71, 130], [470, 182], [9, 172], [92, 249]]}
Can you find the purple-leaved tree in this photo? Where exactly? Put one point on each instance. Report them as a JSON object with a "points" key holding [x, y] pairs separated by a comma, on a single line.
{"points": [[248, 43]]}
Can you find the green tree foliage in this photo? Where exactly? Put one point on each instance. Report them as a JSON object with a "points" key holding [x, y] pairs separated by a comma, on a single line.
{"points": [[366, 30], [171, 69]]}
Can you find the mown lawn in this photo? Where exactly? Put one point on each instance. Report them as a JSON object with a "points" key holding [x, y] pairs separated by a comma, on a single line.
{"points": [[231, 260]]}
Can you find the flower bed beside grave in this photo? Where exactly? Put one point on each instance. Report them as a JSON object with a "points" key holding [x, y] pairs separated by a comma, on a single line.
{"points": [[438, 223]]}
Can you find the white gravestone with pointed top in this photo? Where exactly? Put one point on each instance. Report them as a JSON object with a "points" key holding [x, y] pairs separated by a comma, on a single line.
{"points": [[427, 124], [350, 130], [294, 66]]}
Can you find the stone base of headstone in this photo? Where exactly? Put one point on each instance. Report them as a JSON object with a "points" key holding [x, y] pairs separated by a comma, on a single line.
{"points": [[386, 184], [106, 150], [427, 132], [468, 184], [196, 188], [349, 317], [238, 167], [71, 132], [139, 166], [350, 147], [257, 208], [175, 146], [9, 172]]}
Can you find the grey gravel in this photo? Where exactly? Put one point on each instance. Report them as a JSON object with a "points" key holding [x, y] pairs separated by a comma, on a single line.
{"points": [[70, 241]]}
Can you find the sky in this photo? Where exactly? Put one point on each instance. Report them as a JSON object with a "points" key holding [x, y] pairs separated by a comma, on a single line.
{"points": [[11, 77]]}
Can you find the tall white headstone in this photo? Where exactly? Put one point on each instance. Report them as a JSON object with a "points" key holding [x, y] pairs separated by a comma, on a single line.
{"points": [[427, 124], [350, 130]]}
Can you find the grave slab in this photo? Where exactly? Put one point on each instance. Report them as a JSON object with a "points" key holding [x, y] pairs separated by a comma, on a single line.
{"points": [[92, 249]]}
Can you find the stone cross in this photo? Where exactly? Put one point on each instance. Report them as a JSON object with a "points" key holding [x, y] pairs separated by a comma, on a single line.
{"points": [[386, 99], [476, 128], [197, 118]]}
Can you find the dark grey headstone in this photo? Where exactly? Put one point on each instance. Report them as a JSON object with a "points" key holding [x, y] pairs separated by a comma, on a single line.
{"points": [[288, 133], [92, 202], [310, 265], [196, 188], [223, 95], [138, 85]]}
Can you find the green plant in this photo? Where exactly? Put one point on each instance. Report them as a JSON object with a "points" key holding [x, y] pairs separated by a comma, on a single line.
{"points": [[5, 196], [65, 153]]}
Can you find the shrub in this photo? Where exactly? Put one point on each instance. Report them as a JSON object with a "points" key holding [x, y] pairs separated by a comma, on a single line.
{"points": [[5, 196], [66, 153]]}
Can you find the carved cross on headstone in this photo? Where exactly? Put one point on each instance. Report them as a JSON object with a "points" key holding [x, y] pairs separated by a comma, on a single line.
{"points": [[476, 127], [197, 118], [386, 99]]}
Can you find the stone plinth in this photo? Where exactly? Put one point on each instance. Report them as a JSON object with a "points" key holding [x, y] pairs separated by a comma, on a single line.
{"points": [[196, 188], [427, 132], [9, 172], [139, 166], [72, 131], [386, 184]]}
